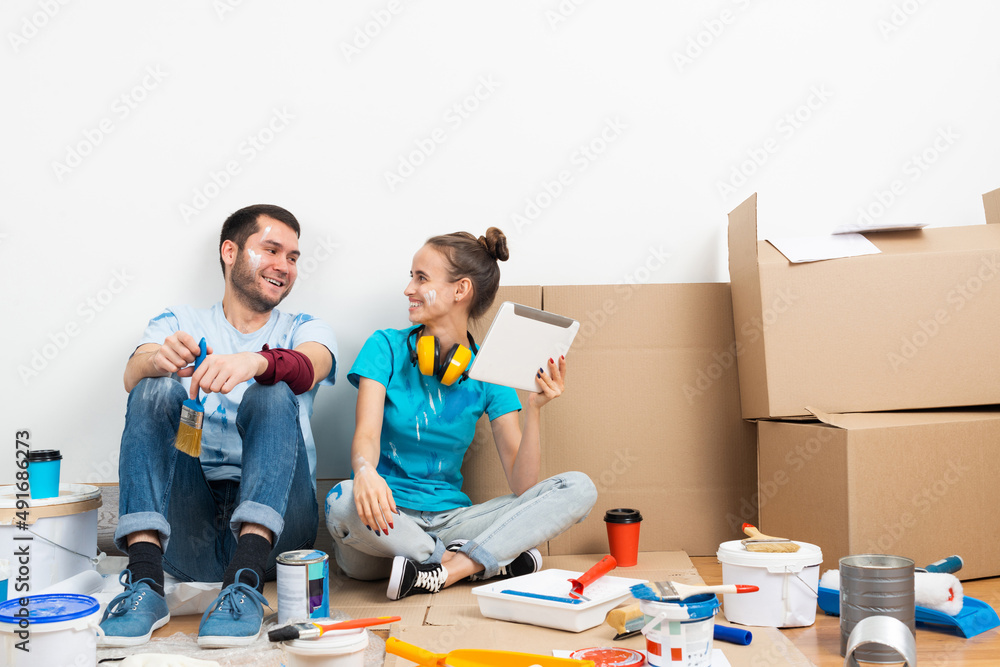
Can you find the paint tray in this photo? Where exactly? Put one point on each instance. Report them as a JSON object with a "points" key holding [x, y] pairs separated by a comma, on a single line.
{"points": [[975, 618], [559, 611]]}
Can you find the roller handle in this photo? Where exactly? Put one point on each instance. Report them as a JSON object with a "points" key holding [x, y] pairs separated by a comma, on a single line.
{"points": [[724, 633], [601, 568], [949, 565], [413, 653]]}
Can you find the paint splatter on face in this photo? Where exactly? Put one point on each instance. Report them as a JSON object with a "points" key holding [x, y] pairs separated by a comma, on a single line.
{"points": [[432, 296], [267, 230], [254, 258]]}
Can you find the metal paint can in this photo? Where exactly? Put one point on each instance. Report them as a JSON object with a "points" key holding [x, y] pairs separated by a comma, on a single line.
{"points": [[303, 585], [875, 585]]}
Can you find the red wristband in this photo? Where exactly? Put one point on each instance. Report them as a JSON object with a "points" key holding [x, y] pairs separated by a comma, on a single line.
{"points": [[289, 366]]}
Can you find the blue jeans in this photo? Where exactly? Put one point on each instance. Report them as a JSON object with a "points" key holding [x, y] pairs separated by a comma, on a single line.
{"points": [[198, 521], [497, 530]]}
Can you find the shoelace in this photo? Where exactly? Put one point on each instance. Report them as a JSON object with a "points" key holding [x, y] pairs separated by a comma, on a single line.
{"points": [[232, 597], [431, 580], [127, 599]]}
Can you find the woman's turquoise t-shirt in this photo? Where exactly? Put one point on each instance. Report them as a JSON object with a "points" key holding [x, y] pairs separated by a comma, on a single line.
{"points": [[426, 426]]}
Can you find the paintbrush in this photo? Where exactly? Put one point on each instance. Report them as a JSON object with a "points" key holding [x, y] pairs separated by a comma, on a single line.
{"points": [[672, 591], [192, 416], [316, 630], [761, 543]]}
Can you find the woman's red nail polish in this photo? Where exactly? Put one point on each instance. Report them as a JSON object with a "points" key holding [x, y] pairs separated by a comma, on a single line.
{"points": [[550, 360]]}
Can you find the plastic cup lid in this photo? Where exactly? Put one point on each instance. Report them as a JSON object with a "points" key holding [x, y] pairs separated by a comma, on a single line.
{"points": [[622, 515], [53, 608], [609, 657], [41, 455]]}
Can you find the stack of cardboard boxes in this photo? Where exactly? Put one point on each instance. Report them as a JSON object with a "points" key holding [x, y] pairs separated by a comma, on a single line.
{"points": [[875, 383]]}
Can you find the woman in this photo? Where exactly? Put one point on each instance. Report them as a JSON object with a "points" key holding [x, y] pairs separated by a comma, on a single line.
{"points": [[404, 515]]}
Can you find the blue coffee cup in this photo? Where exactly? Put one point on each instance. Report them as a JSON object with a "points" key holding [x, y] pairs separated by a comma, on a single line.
{"points": [[43, 473]]}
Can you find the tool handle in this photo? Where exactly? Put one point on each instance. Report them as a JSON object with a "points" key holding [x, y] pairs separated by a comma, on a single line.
{"points": [[686, 591], [413, 653], [751, 531], [601, 568], [202, 353], [950, 565], [724, 633], [358, 623]]}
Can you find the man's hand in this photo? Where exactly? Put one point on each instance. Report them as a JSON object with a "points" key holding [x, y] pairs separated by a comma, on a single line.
{"points": [[176, 355], [221, 373]]}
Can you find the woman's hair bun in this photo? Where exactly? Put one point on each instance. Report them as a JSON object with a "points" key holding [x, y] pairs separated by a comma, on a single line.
{"points": [[495, 243]]}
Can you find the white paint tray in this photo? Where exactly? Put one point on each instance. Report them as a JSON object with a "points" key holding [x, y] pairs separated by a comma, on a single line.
{"points": [[605, 594]]}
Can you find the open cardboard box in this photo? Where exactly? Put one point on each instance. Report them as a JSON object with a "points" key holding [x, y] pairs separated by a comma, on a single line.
{"points": [[912, 327], [919, 484]]}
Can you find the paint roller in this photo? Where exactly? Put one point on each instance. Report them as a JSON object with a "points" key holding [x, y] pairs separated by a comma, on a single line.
{"points": [[940, 591]]}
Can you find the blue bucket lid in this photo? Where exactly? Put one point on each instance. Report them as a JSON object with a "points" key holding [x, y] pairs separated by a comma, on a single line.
{"points": [[53, 608]]}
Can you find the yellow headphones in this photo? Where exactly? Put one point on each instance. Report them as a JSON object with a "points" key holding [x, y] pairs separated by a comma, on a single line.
{"points": [[452, 367]]}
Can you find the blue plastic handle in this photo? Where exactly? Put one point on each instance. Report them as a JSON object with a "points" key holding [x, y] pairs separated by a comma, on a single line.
{"points": [[539, 596], [950, 565], [724, 633], [202, 353]]}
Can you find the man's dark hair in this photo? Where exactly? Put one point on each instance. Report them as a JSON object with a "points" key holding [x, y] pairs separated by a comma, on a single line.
{"points": [[243, 224]]}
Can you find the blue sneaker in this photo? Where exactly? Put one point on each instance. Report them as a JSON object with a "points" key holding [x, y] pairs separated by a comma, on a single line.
{"points": [[133, 614], [235, 618]]}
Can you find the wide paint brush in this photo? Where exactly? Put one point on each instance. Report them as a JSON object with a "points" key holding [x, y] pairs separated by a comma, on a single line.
{"points": [[316, 630], [760, 543], [192, 416], [672, 591]]}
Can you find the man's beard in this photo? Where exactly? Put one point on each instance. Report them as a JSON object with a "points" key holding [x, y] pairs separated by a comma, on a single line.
{"points": [[247, 290]]}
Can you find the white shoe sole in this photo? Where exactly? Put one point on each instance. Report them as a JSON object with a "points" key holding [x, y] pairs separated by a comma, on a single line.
{"points": [[108, 641], [227, 642], [396, 578]]}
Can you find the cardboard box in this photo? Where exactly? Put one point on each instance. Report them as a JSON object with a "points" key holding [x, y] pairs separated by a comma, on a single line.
{"points": [[637, 419], [923, 485], [912, 327]]}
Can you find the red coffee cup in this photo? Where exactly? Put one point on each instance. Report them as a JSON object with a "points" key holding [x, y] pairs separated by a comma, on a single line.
{"points": [[623, 535]]}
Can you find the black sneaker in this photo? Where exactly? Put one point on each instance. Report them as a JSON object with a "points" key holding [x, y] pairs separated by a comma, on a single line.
{"points": [[526, 562], [409, 576]]}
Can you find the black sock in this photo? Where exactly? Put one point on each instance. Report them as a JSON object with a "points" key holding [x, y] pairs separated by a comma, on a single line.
{"points": [[145, 561], [251, 552]]}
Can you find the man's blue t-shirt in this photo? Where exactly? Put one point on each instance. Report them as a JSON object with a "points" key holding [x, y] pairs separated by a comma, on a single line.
{"points": [[221, 446], [426, 426]]}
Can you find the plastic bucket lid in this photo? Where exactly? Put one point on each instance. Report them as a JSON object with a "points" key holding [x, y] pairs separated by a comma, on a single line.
{"points": [[48, 609], [733, 553], [72, 499], [695, 607], [334, 642]]}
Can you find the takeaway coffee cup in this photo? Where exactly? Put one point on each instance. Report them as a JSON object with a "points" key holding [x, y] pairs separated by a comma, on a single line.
{"points": [[43, 473], [623, 535]]}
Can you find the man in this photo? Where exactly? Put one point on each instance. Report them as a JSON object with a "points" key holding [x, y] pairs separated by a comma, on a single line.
{"points": [[251, 494]]}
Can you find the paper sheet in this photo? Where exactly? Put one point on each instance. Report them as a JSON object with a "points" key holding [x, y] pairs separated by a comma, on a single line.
{"points": [[801, 249]]}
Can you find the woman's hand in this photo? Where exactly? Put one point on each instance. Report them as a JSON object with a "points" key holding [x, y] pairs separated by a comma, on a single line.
{"points": [[551, 383], [373, 499]]}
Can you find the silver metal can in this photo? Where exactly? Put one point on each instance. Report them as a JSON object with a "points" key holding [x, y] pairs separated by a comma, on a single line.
{"points": [[303, 585]]}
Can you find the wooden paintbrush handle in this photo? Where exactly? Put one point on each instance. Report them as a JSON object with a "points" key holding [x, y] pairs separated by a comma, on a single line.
{"points": [[752, 532]]}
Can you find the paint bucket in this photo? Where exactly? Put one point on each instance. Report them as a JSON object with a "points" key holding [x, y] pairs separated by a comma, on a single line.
{"points": [[788, 583], [875, 585], [336, 648], [60, 535], [61, 631], [679, 634], [303, 585]]}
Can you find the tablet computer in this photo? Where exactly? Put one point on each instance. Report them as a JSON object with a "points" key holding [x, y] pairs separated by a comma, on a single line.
{"points": [[519, 342]]}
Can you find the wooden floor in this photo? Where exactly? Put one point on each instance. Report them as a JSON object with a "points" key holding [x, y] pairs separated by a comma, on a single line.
{"points": [[821, 642]]}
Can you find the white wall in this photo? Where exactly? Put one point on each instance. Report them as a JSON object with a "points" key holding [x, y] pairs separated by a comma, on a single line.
{"points": [[156, 97]]}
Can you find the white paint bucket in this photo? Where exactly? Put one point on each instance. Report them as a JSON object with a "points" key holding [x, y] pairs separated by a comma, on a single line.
{"points": [[788, 583], [679, 634], [60, 535], [62, 631], [336, 648]]}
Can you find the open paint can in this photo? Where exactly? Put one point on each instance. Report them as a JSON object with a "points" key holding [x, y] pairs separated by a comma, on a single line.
{"points": [[679, 634], [303, 585], [62, 631], [788, 585], [335, 648], [63, 532], [875, 585]]}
